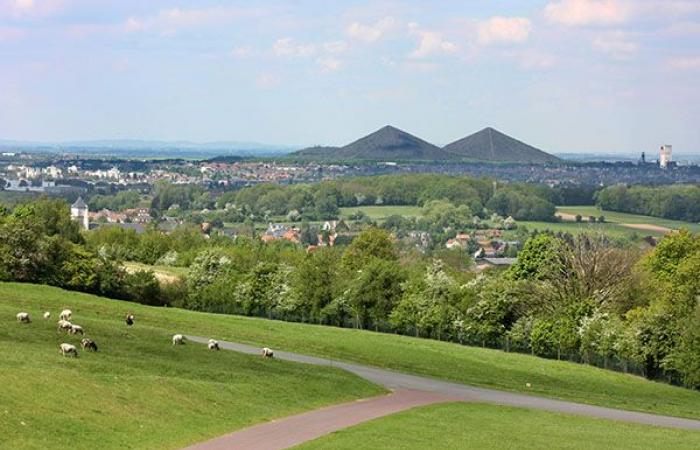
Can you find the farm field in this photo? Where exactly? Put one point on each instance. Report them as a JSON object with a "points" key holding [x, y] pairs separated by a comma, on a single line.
{"points": [[138, 391], [469, 365], [611, 229], [480, 426], [620, 218], [382, 212]]}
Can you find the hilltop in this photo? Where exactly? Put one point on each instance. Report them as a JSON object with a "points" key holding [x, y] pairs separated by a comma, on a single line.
{"points": [[386, 144], [392, 144], [491, 145]]}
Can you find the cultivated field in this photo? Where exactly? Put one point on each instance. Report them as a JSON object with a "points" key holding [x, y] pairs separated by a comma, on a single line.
{"points": [[627, 220], [164, 274], [469, 365], [478, 426], [138, 391]]}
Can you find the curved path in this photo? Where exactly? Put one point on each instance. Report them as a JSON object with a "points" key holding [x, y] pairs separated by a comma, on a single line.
{"points": [[410, 391], [290, 431]]}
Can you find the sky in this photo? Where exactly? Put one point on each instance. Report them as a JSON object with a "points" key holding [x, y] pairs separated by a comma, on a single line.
{"points": [[563, 75]]}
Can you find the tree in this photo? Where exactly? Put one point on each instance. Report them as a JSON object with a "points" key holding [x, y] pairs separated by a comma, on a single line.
{"points": [[535, 259], [374, 291], [371, 243]]}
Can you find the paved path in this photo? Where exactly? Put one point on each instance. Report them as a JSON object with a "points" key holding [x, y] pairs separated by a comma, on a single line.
{"points": [[396, 380], [294, 430]]}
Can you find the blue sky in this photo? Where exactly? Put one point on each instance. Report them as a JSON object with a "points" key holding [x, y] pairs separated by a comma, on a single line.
{"points": [[564, 75]]}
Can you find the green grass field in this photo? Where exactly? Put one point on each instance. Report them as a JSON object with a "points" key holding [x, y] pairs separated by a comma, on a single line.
{"points": [[382, 212], [470, 365], [138, 391], [478, 426], [611, 229], [618, 217]]}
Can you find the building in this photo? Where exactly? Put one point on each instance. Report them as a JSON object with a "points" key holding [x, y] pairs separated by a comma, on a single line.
{"points": [[79, 212], [665, 156]]}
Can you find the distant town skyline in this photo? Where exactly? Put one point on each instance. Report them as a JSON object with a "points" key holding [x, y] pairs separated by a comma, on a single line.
{"points": [[562, 75]]}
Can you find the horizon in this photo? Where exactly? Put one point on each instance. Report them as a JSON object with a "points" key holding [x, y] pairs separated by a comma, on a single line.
{"points": [[564, 76]]}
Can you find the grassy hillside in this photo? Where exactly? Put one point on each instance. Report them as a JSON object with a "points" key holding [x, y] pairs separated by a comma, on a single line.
{"points": [[471, 365], [610, 229], [138, 391], [461, 425]]}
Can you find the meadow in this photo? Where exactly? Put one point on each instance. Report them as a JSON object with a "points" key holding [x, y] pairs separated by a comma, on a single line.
{"points": [[469, 425], [138, 390], [443, 360], [625, 218]]}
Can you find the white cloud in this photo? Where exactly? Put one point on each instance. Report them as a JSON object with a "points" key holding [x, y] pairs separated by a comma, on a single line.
{"points": [[241, 52], [287, 47], [329, 64], [267, 80], [371, 33], [10, 34], [335, 47], [430, 42], [616, 44], [30, 8], [685, 63], [172, 20], [535, 60], [588, 12], [511, 30]]}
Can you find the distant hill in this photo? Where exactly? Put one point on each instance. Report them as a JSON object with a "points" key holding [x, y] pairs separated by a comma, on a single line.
{"points": [[386, 144], [492, 145]]}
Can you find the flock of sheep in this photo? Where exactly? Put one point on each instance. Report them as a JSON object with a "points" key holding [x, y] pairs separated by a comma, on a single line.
{"points": [[66, 349]]}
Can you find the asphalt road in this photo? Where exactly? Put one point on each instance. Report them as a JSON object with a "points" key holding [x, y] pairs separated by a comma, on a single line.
{"points": [[400, 381]]}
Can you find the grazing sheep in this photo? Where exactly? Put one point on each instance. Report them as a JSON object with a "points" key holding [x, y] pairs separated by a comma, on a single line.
{"points": [[178, 339], [68, 349], [64, 325], [213, 345], [76, 329], [23, 317], [88, 344], [47, 315], [267, 353], [66, 314], [129, 319]]}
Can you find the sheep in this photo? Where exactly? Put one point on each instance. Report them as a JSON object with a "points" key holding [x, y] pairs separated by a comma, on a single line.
{"points": [[178, 339], [64, 325], [129, 319], [213, 345], [66, 314], [23, 317], [68, 349], [76, 329], [47, 315], [88, 344], [267, 353]]}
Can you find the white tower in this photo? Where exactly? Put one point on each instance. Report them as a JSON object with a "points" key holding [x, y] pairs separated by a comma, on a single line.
{"points": [[79, 212], [665, 156]]}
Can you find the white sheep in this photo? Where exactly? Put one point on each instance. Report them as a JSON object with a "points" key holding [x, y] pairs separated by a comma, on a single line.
{"points": [[213, 345], [68, 349], [178, 339], [64, 325], [23, 317], [76, 329], [47, 315], [267, 353], [66, 314]]}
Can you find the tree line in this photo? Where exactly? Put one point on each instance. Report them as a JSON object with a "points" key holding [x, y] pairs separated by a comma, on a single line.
{"points": [[678, 202]]}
